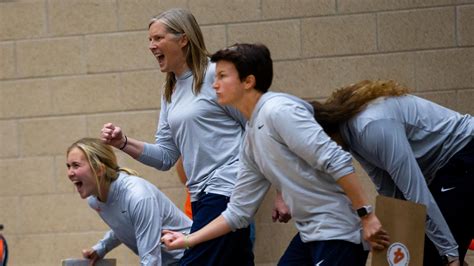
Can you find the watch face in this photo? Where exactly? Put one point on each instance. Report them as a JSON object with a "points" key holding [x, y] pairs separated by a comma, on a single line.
{"points": [[364, 210]]}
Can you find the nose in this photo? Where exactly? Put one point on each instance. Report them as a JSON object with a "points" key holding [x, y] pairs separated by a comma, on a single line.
{"points": [[151, 45], [215, 85], [70, 173]]}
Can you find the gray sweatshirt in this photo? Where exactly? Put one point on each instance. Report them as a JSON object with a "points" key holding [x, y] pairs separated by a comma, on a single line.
{"points": [[136, 211], [205, 133], [401, 142], [284, 146]]}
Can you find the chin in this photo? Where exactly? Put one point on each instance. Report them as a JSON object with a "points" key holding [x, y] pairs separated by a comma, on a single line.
{"points": [[84, 194], [221, 101]]}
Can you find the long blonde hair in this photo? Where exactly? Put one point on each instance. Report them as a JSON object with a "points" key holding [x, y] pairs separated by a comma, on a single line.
{"points": [[346, 102], [100, 155], [180, 21]]}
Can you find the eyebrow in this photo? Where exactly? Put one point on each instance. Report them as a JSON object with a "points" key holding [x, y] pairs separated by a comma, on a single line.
{"points": [[74, 162]]}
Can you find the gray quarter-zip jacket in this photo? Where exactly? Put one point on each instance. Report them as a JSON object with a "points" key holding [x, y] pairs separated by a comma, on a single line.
{"points": [[136, 212], [401, 142], [286, 147], [206, 134]]}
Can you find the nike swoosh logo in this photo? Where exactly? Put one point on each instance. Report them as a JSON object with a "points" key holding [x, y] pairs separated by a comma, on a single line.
{"points": [[447, 189], [259, 127], [319, 263], [124, 211]]}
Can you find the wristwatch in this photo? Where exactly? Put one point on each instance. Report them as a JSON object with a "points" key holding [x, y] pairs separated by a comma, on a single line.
{"points": [[364, 210], [447, 259]]}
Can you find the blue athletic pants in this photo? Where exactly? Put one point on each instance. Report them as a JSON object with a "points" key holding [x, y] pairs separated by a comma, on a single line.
{"points": [[323, 253], [234, 248]]}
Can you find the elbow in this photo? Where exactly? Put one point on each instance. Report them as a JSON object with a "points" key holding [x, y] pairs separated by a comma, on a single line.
{"points": [[236, 221], [150, 259], [165, 167]]}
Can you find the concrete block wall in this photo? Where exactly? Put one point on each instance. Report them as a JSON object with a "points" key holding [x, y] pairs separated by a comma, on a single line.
{"points": [[67, 67]]}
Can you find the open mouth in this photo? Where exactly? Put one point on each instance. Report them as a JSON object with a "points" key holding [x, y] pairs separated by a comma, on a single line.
{"points": [[159, 57], [77, 184]]}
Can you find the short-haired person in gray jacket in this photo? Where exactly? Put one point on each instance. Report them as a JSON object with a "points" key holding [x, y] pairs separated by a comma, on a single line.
{"points": [[412, 149], [134, 209], [284, 146]]}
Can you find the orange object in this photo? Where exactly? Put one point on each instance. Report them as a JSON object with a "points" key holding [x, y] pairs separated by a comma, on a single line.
{"points": [[3, 251], [182, 177], [471, 246], [187, 205]]}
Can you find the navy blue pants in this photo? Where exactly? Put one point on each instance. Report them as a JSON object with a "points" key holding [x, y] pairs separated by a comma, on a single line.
{"points": [[323, 253], [234, 248], [453, 191]]}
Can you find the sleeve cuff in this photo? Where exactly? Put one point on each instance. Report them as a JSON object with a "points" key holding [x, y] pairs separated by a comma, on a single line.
{"points": [[100, 249]]}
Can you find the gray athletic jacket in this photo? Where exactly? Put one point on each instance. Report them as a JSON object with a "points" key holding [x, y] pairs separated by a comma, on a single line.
{"points": [[284, 146], [401, 142], [136, 211], [205, 133]]}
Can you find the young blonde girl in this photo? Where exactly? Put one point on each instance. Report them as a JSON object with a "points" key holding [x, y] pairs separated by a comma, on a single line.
{"points": [[135, 210]]}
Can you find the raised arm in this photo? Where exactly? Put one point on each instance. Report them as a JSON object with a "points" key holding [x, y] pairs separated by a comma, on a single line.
{"points": [[161, 155], [113, 135]]}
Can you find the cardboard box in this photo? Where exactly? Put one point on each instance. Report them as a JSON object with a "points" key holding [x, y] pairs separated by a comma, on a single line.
{"points": [[405, 223]]}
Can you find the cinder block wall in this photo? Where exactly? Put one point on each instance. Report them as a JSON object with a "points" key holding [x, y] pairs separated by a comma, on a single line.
{"points": [[67, 67]]}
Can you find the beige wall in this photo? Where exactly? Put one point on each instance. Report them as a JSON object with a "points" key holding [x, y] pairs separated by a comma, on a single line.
{"points": [[66, 67]]}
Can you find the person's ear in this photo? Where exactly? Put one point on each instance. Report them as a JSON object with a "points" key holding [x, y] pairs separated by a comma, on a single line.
{"points": [[101, 170], [183, 40], [250, 82]]}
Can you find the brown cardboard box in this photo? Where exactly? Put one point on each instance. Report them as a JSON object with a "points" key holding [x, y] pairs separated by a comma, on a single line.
{"points": [[405, 223]]}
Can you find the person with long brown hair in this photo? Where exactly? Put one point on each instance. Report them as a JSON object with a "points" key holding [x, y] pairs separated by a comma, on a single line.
{"points": [[412, 149], [135, 209]]}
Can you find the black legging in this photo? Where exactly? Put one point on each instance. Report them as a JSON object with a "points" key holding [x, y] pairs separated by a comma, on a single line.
{"points": [[453, 191]]}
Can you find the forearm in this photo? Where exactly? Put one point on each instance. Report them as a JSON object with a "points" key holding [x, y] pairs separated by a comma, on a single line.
{"points": [[439, 233], [278, 195], [131, 146], [351, 185], [372, 228], [214, 229], [106, 244]]}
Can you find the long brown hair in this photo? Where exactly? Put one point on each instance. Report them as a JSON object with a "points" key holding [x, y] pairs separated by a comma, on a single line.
{"points": [[346, 102]]}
